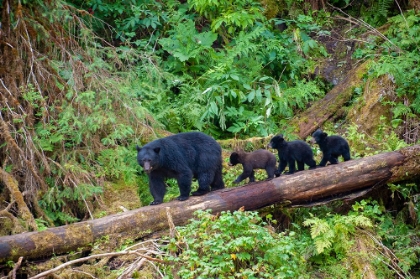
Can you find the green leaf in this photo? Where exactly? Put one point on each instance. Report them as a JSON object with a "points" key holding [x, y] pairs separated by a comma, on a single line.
{"points": [[206, 38]]}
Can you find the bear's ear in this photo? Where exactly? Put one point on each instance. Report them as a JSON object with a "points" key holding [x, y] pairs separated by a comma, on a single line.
{"points": [[324, 135], [156, 150], [138, 148]]}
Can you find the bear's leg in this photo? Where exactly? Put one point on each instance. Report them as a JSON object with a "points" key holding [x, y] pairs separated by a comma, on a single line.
{"points": [[301, 165], [217, 182], [247, 172], [270, 170], [241, 177], [334, 160], [203, 183], [157, 188], [184, 184], [346, 155], [311, 163], [282, 166], [292, 166], [252, 176], [325, 159]]}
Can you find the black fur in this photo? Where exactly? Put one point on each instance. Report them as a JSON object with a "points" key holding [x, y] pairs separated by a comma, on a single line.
{"points": [[292, 152], [331, 146], [182, 156]]}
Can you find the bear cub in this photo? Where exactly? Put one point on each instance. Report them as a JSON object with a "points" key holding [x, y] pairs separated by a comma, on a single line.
{"points": [[183, 156], [259, 159], [292, 152], [331, 146]]}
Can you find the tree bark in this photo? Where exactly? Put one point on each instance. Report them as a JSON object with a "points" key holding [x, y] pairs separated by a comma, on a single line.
{"points": [[300, 188]]}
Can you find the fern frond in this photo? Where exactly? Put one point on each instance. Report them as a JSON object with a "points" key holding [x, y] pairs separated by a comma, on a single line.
{"points": [[362, 221], [318, 226], [384, 6], [321, 244]]}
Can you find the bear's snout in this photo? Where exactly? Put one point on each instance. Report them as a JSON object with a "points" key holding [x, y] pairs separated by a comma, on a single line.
{"points": [[147, 166]]}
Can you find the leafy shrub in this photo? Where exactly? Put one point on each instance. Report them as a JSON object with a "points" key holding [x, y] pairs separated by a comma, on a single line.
{"points": [[236, 74], [233, 245], [68, 205]]}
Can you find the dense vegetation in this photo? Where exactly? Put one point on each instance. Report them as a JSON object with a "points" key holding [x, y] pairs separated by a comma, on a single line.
{"points": [[83, 82]]}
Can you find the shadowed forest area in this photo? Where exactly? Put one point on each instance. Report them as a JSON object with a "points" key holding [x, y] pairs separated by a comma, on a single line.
{"points": [[83, 82]]}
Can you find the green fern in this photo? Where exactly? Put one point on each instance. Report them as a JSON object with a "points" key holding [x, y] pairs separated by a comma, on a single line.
{"points": [[333, 234], [383, 7], [321, 232]]}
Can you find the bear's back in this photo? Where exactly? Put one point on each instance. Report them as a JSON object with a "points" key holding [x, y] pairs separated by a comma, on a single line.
{"points": [[194, 150], [299, 149], [261, 158]]}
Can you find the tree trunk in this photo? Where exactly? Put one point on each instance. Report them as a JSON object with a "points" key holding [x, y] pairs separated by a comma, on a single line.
{"points": [[301, 188], [330, 106]]}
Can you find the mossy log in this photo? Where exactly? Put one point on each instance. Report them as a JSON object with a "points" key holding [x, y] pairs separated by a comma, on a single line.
{"points": [[301, 188], [331, 105]]}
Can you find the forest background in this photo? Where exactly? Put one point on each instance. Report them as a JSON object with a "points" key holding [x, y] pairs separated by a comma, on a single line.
{"points": [[83, 82]]}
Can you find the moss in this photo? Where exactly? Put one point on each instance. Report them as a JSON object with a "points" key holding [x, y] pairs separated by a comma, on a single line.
{"points": [[247, 144], [411, 166], [6, 227], [118, 197], [367, 110]]}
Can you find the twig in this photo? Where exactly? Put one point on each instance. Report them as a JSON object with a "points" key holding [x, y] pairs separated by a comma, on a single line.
{"points": [[85, 273], [15, 268], [368, 26], [133, 267]]}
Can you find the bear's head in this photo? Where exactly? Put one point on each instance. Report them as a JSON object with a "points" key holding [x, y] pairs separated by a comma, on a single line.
{"points": [[277, 142], [318, 136], [148, 157], [234, 159]]}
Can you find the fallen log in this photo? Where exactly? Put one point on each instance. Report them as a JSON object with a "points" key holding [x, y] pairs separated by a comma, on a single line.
{"points": [[300, 188], [331, 105]]}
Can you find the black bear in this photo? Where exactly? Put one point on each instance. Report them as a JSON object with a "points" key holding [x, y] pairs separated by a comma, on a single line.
{"points": [[331, 146], [183, 156], [259, 159], [292, 152]]}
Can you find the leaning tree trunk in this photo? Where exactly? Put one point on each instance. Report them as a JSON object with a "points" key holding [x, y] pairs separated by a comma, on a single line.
{"points": [[331, 105], [303, 187]]}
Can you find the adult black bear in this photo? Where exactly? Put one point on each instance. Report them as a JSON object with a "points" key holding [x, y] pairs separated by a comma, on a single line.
{"points": [[259, 159], [331, 146], [182, 156], [292, 152]]}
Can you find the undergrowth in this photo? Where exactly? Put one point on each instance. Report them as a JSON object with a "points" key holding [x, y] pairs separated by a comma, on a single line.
{"points": [[397, 59], [242, 245]]}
